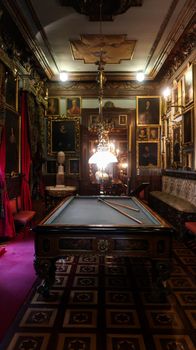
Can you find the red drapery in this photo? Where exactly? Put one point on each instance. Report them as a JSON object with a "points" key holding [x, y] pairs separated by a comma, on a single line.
{"points": [[7, 227], [25, 155]]}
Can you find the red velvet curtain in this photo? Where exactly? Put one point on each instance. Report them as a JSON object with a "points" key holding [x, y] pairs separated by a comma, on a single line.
{"points": [[7, 227], [25, 155]]}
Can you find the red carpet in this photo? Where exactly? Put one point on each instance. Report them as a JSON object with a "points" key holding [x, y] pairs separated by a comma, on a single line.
{"points": [[17, 276]]}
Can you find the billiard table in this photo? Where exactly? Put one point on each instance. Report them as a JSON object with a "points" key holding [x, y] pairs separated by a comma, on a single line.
{"points": [[103, 225]]}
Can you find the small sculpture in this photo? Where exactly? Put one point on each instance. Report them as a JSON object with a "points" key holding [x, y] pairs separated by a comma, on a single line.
{"points": [[60, 174]]}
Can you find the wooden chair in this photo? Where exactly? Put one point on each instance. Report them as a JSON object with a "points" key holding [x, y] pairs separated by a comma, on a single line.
{"points": [[22, 218]]}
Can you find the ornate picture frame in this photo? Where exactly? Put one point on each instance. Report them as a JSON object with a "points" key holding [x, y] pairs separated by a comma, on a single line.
{"points": [[123, 119], [154, 133], [187, 127], [73, 106], [53, 106], [142, 133], [74, 166], [148, 154], [177, 141], [63, 135], [148, 110], [188, 86]]}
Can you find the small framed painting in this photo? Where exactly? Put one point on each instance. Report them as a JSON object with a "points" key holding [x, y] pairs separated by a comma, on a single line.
{"points": [[122, 119], [74, 166]]}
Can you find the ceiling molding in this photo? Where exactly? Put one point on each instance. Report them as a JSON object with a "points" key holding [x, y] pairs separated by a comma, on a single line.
{"points": [[186, 17], [22, 25]]}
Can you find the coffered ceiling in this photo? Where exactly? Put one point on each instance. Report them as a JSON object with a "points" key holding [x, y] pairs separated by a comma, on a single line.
{"points": [[132, 36]]}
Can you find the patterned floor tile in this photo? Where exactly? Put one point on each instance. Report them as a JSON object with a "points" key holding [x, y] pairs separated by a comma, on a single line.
{"points": [[183, 252], [186, 260], [166, 319], [149, 299], [119, 298], [115, 269], [88, 259], [122, 318], [41, 317], [116, 282], [186, 298], [83, 297], [85, 282], [191, 314], [115, 260], [80, 318], [177, 270], [76, 342], [29, 341], [60, 281], [62, 268], [55, 298], [125, 342], [87, 269], [181, 282], [173, 342]]}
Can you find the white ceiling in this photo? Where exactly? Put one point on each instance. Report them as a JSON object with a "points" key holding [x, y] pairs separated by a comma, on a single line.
{"points": [[155, 26]]}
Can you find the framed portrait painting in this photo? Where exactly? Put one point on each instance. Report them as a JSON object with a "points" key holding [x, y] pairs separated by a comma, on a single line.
{"points": [[142, 133], [187, 127], [176, 144], [122, 119], [63, 135], [148, 154], [154, 133], [73, 106], [148, 110], [74, 166], [188, 86], [53, 106]]}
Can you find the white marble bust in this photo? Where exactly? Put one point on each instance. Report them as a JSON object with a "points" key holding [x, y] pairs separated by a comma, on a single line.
{"points": [[61, 161]]}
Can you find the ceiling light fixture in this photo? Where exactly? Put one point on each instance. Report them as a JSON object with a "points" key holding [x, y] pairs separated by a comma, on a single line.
{"points": [[103, 155], [63, 76], [140, 76]]}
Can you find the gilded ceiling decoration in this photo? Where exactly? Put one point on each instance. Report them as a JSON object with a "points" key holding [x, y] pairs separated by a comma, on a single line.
{"points": [[112, 48]]}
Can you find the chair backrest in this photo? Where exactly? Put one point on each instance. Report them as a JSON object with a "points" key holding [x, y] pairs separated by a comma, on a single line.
{"points": [[13, 205]]}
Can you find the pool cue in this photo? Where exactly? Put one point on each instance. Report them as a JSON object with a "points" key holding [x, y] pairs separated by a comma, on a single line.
{"points": [[120, 211], [123, 206]]}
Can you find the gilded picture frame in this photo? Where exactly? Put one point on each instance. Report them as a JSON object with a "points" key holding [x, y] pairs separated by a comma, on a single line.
{"points": [[73, 106], [176, 143], [148, 109], [148, 155], [187, 127], [188, 86], [154, 133], [53, 106], [142, 133], [63, 135], [123, 119]]}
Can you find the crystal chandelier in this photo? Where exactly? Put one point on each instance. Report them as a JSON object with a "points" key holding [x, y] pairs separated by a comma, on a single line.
{"points": [[103, 155]]}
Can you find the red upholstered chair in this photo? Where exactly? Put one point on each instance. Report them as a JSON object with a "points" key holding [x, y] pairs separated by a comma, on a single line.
{"points": [[22, 218], [191, 229], [191, 226]]}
